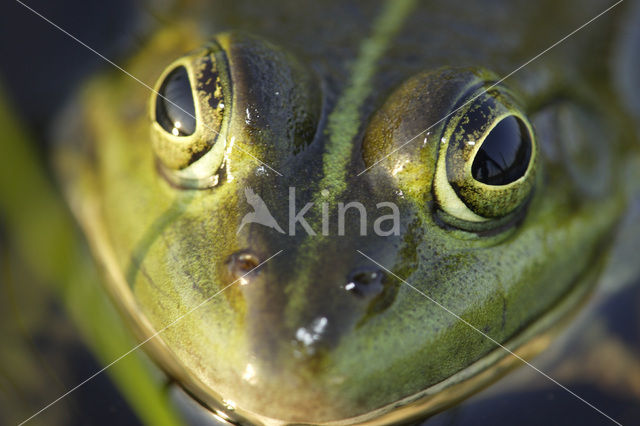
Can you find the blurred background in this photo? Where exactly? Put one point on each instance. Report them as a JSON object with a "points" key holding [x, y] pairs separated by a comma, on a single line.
{"points": [[42, 354], [47, 345]]}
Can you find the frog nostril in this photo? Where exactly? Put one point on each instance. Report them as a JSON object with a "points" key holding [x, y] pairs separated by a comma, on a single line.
{"points": [[242, 263], [364, 281]]}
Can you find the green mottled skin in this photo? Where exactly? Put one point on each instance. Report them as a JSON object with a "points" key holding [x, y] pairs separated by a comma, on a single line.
{"points": [[368, 72]]}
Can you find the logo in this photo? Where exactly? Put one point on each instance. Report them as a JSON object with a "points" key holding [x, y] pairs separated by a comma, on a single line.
{"points": [[260, 213], [384, 225]]}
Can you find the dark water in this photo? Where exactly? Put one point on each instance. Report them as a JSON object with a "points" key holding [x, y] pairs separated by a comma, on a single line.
{"points": [[40, 65], [42, 356]]}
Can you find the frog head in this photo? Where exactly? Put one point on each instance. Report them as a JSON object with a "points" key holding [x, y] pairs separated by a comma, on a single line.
{"points": [[481, 228]]}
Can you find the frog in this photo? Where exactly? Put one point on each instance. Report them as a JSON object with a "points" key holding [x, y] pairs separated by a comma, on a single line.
{"points": [[509, 193]]}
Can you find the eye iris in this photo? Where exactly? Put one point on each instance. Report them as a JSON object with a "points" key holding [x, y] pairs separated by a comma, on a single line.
{"points": [[504, 155], [175, 110]]}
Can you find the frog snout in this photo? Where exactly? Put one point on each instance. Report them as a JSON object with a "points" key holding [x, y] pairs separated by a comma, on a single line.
{"points": [[294, 315], [293, 308], [362, 281]]}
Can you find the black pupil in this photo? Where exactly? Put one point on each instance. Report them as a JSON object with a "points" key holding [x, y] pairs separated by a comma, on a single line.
{"points": [[175, 110], [505, 153]]}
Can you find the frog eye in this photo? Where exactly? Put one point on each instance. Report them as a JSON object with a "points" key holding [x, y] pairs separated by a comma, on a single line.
{"points": [[175, 110], [486, 166], [504, 154], [189, 119]]}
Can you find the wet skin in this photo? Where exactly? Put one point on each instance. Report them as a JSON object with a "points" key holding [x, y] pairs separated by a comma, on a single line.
{"points": [[507, 206]]}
